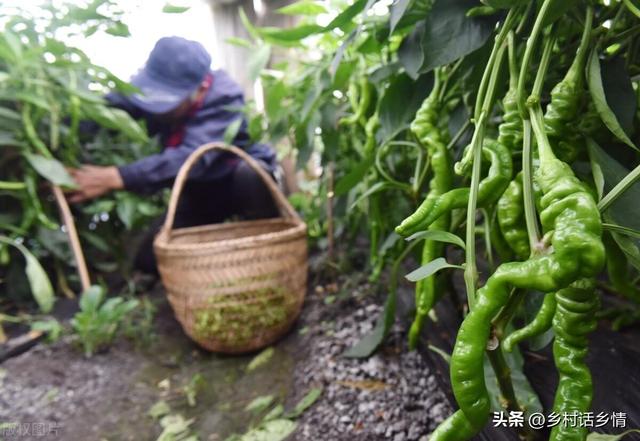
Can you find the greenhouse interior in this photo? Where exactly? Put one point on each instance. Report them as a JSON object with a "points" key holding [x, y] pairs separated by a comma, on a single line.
{"points": [[320, 220]]}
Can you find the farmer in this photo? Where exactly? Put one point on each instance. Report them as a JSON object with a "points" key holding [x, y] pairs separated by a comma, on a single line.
{"points": [[188, 105]]}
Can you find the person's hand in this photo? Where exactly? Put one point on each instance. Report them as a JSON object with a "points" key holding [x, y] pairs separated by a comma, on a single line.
{"points": [[94, 181]]}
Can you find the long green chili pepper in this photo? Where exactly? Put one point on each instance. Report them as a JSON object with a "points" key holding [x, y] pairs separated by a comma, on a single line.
{"points": [[425, 128], [540, 324], [566, 98], [572, 220], [365, 94], [498, 241], [573, 321], [30, 132], [489, 191], [510, 213], [510, 131]]}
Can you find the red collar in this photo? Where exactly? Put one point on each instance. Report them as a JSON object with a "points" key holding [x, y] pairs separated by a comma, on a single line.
{"points": [[176, 137]]}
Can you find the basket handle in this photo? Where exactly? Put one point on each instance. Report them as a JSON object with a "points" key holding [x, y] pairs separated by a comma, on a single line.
{"points": [[286, 210]]}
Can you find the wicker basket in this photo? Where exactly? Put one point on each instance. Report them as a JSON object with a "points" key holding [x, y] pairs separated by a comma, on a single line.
{"points": [[239, 286]]}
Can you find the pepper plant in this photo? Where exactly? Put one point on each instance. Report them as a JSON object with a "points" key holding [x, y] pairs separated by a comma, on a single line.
{"points": [[53, 115], [497, 135]]}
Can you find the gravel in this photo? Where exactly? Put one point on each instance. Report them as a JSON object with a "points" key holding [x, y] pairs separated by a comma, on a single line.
{"points": [[390, 396]]}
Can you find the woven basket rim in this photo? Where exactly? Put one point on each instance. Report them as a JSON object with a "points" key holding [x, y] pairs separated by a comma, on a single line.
{"points": [[163, 241]]}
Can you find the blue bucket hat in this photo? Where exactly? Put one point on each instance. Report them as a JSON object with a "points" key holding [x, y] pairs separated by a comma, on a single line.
{"points": [[174, 70]]}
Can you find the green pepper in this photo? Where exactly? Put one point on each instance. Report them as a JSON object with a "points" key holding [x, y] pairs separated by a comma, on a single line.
{"points": [[511, 218], [489, 191], [572, 220], [540, 324], [573, 321], [425, 127], [560, 119]]}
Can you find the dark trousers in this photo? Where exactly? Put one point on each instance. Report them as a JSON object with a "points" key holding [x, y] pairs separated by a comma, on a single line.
{"points": [[242, 194]]}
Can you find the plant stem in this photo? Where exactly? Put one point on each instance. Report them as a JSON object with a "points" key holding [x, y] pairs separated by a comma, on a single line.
{"points": [[471, 271], [533, 230], [497, 47], [9, 185], [619, 189], [528, 53]]}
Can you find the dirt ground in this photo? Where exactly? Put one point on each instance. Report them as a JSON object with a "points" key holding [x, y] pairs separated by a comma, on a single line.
{"points": [[55, 389]]}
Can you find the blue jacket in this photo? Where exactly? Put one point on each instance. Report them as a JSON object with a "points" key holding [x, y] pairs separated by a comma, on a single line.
{"points": [[220, 108]]}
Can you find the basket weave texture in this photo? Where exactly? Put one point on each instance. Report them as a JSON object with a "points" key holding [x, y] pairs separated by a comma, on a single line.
{"points": [[239, 286]]}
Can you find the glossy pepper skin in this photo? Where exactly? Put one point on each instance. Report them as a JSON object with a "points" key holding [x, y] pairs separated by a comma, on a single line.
{"points": [[490, 189], [510, 213], [510, 130], [425, 127], [570, 215], [561, 116], [540, 324], [573, 321]]}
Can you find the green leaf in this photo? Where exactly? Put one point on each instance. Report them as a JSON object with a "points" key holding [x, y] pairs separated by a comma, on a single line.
{"points": [[397, 11], [633, 6], [261, 359], [348, 14], [274, 413], [437, 235], [258, 60], [525, 394], [622, 230], [50, 169], [429, 269], [240, 42], [411, 53], [9, 114], [159, 409], [274, 95], [288, 36], [370, 342], [274, 430], [624, 211], [303, 7], [168, 8], [305, 403], [558, 9], [31, 99], [619, 92], [375, 188], [116, 119], [126, 210], [251, 29], [232, 130], [38, 280], [596, 88], [118, 29], [594, 436], [259, 404], [449, 34], [91, 299], [51, 327], [353, 177], [400, 102], [503, 4]]}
